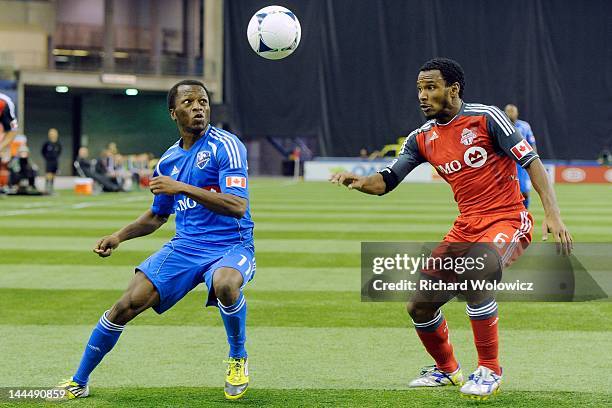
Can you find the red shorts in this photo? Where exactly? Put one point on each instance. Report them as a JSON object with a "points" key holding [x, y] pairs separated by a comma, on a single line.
{"points": [[508, 234]]}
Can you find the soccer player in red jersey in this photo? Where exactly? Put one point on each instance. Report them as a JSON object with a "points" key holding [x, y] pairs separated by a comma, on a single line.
{"points": [[474, 148], [8, 121]]}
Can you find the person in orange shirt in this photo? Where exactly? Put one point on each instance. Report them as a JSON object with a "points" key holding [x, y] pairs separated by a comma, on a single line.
{"points": [[16, 144], [474, 148]]}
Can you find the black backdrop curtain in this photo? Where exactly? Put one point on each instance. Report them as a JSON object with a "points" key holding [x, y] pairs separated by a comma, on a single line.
{"points": [[351, 82]]}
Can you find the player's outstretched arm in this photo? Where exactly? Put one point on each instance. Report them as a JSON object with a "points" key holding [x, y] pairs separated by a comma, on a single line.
{"points": [[146, 224], [374, 184], [552, 218], [388, 178]]}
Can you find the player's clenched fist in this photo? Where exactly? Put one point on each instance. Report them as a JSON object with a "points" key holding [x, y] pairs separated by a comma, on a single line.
{"points": [[350, 180], [105, 246], [165, 185]]}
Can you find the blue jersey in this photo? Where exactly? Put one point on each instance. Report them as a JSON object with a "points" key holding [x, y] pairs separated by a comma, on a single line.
{"points": [[216, 162], [526, 131]]}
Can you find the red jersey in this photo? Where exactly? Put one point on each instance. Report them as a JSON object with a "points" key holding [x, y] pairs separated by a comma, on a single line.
{"points": [[8, 119], [475, 153]]}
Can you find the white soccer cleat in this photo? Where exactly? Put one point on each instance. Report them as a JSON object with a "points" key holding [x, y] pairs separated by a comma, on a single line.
{"points": [[481, 384], [431, 376]]}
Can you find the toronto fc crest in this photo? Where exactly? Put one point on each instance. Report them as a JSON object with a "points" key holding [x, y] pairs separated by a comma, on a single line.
{"points": [[467, 137]]}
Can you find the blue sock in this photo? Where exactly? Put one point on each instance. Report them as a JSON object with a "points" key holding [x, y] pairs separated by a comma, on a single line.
{"points": [[102, 340], [234, 319], [526, 203]]}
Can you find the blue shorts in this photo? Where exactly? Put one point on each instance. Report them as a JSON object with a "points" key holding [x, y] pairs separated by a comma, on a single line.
{"points": [[176, 269], [524, 180]]}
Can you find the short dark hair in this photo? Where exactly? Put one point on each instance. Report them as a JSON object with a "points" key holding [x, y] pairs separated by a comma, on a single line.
{"points": [[450, 69], [172, 92]]}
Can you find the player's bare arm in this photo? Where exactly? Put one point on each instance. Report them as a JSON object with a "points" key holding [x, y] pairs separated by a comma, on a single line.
{"points": [[146, 224], [224, 204], [374, 184], [552, 218]]}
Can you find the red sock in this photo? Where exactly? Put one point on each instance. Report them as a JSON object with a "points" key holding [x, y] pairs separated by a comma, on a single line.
{"points": [[487, 342], [438, 345]]}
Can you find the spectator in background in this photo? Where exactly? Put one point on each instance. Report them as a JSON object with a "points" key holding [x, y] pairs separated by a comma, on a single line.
{"points": [[363, 153], [111, 166], [105, 165], [107, 156], [121, 172], [138, 167], [112, 148], [605, 157], [86, 167], [18, 141], [51, 151], [21, 170], [112, 158], [83, 165], [115, 165]]}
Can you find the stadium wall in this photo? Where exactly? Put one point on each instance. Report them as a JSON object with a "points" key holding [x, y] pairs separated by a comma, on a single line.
{"points": [[351, 82], [138, 124], [136, 127]]}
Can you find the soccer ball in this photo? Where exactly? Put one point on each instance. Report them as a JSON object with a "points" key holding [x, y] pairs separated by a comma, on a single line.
{"points": [[274, 32]]}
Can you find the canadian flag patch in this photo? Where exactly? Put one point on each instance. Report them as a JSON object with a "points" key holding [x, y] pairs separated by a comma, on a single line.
{"points": [[235, 181], [521, 149]]}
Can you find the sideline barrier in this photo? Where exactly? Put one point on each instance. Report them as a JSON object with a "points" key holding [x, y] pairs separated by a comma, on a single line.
{"points": [[321, 168], [583, 174]]}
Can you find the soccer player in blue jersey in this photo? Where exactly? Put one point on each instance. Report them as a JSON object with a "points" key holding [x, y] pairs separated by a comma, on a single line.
{"points": [[203, 178], [525, 129]]}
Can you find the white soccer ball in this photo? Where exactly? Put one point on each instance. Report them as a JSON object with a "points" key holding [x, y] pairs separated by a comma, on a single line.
{"points": [[274, 32]]}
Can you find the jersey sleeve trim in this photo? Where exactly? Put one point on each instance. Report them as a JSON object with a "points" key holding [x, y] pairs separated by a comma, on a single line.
{"points": [[389, 178], [213, 148], [528, 162], [157, 168], [493, 113], [231, 148]]}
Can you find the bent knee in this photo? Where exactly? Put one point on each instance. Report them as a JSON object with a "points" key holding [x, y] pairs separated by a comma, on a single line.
{"points": [[124, 310], [227, 280], [131, 305], [420, 312]]}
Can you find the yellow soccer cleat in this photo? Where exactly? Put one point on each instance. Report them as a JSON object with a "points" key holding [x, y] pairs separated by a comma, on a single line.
{"points": [[237, 378], [70, 390]]}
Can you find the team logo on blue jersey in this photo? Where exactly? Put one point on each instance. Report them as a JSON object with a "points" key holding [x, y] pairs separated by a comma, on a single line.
{"points": [[202, 159]]}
